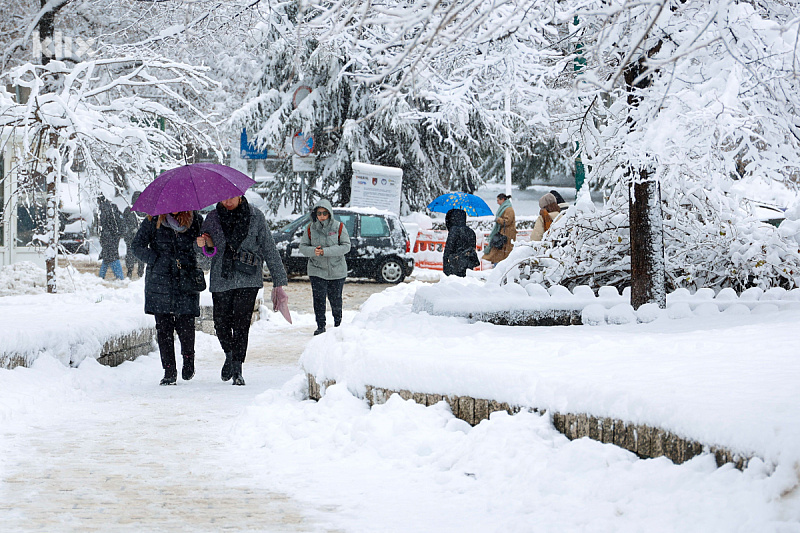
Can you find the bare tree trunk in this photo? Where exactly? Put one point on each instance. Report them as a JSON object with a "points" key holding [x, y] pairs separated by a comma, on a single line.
{"points": [[647, 242], [648, 275]]}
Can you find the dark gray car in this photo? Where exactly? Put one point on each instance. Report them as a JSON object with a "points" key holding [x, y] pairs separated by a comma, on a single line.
{"points": [[380, 246]]}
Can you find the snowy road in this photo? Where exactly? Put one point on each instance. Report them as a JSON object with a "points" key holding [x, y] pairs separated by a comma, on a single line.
{"points": [[118, 453]]}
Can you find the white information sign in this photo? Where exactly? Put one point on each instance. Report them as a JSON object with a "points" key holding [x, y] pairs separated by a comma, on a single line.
{"points": [[303, 164], [376, 186]]}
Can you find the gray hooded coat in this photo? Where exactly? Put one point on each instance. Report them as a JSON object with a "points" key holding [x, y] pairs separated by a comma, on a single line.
{"points": [[259, 241], [332, 264]]}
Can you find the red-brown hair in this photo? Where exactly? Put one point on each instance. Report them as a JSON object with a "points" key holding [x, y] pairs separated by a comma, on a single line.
{"points": [[184, 218]]}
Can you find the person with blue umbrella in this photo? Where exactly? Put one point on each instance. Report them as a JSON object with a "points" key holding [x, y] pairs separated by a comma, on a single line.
{"points": [[504, 231], [472, 205]]}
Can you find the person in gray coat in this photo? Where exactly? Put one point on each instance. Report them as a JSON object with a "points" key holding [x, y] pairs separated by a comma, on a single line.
{"points": [[325, 242], [243, 243]]}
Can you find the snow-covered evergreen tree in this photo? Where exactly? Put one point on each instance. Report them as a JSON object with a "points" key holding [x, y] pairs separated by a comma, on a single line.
{"points": [[352, 120]]}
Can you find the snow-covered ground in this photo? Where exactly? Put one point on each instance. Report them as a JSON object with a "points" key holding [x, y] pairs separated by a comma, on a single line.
{"points": [[96, 447]]}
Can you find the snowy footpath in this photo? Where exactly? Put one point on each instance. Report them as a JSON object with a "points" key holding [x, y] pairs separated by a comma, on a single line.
{"points": [[106, 449]]}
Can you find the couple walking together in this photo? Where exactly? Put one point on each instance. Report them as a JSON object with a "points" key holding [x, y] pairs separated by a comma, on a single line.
{"points": [[239, 242]]}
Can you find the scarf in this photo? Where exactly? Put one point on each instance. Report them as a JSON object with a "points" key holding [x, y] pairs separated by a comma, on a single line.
{"points": [[505, 205], [235, 226], [173, 223]]}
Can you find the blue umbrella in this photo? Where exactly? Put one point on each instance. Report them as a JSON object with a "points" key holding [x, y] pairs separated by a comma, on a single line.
{"points": [[473, 205]]}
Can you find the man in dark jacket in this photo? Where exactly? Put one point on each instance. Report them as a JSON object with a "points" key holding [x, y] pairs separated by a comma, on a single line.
{"points": [[459, 250], [110, 233]]}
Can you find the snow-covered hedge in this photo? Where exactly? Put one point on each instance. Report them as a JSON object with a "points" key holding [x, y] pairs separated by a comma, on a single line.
{"points": [[606, 306]]}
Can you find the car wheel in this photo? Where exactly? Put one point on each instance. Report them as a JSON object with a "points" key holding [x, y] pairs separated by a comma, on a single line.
{"points": [[391, 271]]}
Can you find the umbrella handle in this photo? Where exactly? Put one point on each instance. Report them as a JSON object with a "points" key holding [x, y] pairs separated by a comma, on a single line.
{"points": [[212, 254]]}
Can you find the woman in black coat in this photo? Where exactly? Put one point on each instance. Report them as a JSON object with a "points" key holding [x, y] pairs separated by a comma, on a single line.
{"points": [[167, 246], [459, 250]]}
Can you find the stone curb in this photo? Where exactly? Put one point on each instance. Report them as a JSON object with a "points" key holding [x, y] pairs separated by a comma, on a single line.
{"points": [[645, 441]]}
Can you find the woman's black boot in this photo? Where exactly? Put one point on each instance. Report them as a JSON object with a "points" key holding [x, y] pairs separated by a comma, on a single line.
{"points": [[187, 371], [170, 376], [237, 373], [227, 368]]}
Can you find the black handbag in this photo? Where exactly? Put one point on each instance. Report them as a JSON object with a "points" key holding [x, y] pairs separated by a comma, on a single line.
{"points": [[191, 279], [498, 241], [246, 262]]}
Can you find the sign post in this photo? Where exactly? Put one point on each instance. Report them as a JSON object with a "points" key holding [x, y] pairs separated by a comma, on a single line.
{"points": [[376, 186]]}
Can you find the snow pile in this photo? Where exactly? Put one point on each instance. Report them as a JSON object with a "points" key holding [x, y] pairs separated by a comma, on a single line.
{"points": [[26, 277], [404, 467], [70, 325], [337, 465], [720, 379], [469, 297]]}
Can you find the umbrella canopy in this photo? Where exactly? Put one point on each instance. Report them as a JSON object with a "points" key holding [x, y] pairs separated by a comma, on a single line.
{"points": [[473, 205], [190, 188]]}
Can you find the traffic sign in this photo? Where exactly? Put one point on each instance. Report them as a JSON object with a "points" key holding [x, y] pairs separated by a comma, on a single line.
{"points": [[303, 164], [248, 150], [302, 144], [300, 94]]}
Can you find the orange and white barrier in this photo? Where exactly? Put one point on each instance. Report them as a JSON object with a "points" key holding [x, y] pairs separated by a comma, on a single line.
{"points": [[429, 250], [429, 247]]}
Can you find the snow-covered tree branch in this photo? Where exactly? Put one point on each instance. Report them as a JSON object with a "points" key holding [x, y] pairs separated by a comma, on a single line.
{"points": [[118, 116]]}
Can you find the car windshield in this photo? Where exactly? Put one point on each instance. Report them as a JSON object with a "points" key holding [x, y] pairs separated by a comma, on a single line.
{"points": [[294, 226], [348, 219]]}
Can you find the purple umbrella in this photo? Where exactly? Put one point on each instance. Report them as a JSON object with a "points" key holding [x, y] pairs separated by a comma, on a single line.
{"points": [[190, 188]]}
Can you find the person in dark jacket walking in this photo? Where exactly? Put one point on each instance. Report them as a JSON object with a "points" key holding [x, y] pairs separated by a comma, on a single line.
{"points": [[325, 242], [460, 249], [243, 243], [110, 233], [167, 245], [131, 222]]}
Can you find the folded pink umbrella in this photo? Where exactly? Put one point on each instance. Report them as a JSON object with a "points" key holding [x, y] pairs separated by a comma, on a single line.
{"points": [[280, 302]]}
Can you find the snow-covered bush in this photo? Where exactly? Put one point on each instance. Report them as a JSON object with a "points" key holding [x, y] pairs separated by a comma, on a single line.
{"points": [[709, 241]]}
